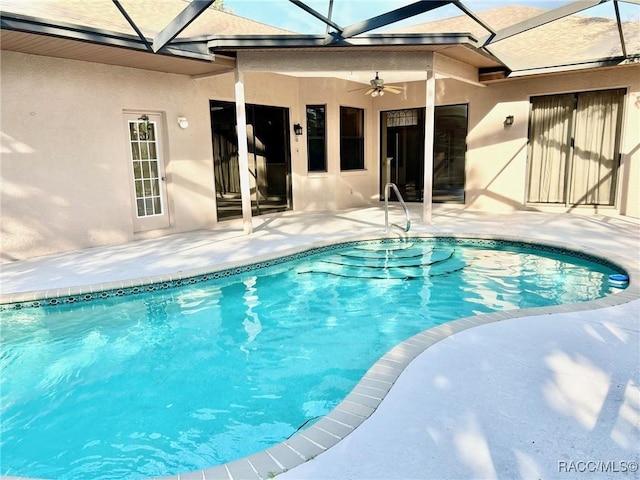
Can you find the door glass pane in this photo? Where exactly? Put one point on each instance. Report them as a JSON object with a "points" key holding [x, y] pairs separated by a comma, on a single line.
{"points": [[550, 133], [316, 139], [268, 142], [402, 159], [595, 154], [450, 148], [587, 173], [225, 159], [351, 138], [145, 171]]}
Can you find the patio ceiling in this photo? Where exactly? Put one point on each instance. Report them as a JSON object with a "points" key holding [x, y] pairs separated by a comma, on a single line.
{"points": [[192, 38]]}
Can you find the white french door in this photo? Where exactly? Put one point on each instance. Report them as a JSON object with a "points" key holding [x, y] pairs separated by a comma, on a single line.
{"points": [[147, 171]]}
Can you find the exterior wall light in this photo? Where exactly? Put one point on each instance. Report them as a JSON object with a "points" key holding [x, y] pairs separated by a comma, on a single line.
{"points": [[183, 122], [508, 120], [297, 129]]}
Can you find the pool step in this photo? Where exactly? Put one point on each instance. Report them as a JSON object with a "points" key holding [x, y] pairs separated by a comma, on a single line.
{"points": [[388, 247], [404, 267], [407, 259]]}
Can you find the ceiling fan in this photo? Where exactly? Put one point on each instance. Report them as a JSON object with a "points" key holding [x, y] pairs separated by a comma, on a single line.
{"points": [[378, 88]]}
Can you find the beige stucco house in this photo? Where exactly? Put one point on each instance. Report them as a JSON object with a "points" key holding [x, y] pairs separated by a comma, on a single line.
{"points": [[119, 124]]}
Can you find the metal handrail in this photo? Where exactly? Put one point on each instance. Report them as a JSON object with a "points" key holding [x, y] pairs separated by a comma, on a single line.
{"points": [[386, 208]]}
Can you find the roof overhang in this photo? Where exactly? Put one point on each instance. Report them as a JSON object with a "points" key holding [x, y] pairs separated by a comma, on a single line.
{"points": [[24, 34], [561, 69], [459, 46], [256, 42]]}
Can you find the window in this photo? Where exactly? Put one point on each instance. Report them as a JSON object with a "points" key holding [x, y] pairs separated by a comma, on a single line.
{"points": [[573, 148], [316, 138], [402, 118], [351, 138]]}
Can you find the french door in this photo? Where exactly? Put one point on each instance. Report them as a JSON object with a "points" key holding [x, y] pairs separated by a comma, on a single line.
{"points": [[574, 148], [147, 171]]}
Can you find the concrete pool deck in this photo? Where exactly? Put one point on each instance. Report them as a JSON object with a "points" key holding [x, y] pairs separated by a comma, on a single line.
{"points": [[534, 396]]}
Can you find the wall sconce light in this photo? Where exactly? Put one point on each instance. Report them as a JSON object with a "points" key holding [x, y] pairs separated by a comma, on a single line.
{"points": [[183, 122], [297, 129], [508, 120]]}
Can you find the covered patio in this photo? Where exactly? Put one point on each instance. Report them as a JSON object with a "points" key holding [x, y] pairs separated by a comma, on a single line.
{"points": [[201, 58]]}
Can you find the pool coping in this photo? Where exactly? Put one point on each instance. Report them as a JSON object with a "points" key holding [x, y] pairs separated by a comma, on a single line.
{"points": [[370, 391]]}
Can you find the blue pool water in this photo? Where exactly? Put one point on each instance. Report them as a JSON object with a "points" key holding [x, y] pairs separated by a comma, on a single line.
{"points": [[187, 378]]}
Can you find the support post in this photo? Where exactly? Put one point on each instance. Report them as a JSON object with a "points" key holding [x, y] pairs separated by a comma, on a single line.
{"points": [[243, 151], [429, 128]]}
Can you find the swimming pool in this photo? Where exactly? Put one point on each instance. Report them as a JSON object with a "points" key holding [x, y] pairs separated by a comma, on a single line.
{"points": [[80, 367]]}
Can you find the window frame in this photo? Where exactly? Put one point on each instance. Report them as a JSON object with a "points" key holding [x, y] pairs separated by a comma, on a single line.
{"points": [[360, 163], [322, 137]]}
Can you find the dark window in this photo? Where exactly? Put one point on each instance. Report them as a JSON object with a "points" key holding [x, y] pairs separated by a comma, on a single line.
{"points": [[449, 150], [351, 138], [316, 138]]}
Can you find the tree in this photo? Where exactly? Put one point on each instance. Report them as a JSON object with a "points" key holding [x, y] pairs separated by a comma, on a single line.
{"points": [[220, 5]]}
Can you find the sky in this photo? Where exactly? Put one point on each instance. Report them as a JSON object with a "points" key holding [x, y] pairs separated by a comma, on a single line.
{"points": [[284, 14]]}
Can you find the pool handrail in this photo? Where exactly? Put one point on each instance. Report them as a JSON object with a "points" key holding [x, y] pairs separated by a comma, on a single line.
{"points": [[386, 208]]}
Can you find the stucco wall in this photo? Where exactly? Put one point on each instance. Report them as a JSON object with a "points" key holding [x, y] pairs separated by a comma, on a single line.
{"points": [[335, 189], [65, 167]]}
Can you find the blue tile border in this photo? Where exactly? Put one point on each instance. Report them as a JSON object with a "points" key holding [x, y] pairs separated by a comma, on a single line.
{"points": [[139, 286]]}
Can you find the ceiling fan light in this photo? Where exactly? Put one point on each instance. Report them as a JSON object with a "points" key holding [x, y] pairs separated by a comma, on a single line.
{"points": [[375, 93], [381, 92]]}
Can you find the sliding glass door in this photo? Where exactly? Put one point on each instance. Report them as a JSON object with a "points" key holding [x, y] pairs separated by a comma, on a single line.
{"points": [[269, 158], [402, 153], [574, 148]]}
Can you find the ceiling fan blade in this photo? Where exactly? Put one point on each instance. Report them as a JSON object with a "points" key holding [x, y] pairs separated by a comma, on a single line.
{"points": [[370, 91], [393, 89]]}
